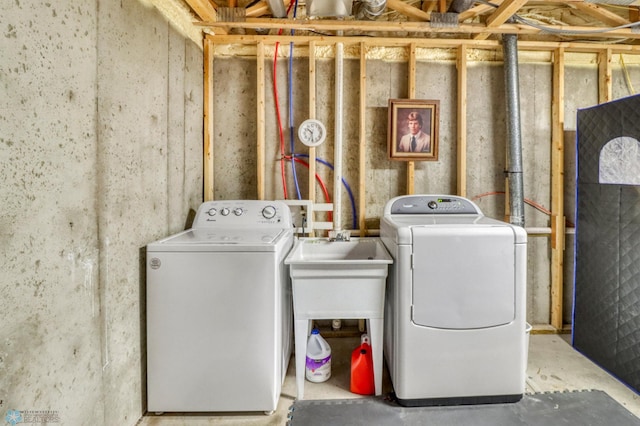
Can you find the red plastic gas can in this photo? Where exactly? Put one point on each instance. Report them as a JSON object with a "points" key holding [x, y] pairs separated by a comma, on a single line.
{"points": [[362, 369]]}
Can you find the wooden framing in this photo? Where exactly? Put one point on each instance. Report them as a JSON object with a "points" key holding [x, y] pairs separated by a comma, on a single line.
{"points": [[506, 9], [208, 120], [601, 13], [557, 191], [604, 76], [463, 30], [558, 51], [411, 165], [408, 10], [260, 120], [461, 118], [205, 9]]}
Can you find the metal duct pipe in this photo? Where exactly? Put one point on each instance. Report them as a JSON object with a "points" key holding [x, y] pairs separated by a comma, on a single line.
{"points": [[369, 9], [278, 10], [459, 6], [514, 136]]}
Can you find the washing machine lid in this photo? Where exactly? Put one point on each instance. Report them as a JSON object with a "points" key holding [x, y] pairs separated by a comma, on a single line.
{"points": [[223, 239], [234, 225], [464, 277]]}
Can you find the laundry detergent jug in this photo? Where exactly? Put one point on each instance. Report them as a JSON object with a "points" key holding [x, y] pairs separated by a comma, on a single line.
{"points": [[318, 365], [362, 368]]}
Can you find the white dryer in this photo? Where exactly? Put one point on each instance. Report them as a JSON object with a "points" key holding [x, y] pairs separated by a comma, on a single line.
{"points": [[455, 303], [219, 310]]}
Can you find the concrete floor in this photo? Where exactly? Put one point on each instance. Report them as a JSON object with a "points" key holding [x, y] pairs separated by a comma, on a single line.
{"points": [[553, 365]]}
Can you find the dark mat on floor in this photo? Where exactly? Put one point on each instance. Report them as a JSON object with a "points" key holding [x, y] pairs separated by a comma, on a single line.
{"points": [[593, 408]]}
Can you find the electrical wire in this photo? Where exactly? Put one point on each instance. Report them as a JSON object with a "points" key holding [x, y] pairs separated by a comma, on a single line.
{"points": [[532, 203], [627, 77], [291, 128], [345, 184], [552, 30], [277, 106]]}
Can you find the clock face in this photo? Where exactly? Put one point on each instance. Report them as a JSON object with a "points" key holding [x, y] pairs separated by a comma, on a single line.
{"points": [[312, 132]]}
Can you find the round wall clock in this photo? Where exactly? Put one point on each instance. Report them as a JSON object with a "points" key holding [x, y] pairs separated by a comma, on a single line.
{"points": [[312, 132]]}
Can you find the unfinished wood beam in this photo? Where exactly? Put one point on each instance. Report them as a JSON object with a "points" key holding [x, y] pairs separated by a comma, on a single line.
{"points": [[429, 5], [362, 148], [605, 83], [462, 120], [557, 190], [411, 166], [417, 27], [208, 119], [405, 9], [601, 14], [477, 10], [412, 71], [260, 121], [261, 8], [205, 9], [505, 11]]}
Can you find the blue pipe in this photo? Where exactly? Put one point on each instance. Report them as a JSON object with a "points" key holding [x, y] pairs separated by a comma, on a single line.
{"points": [[346, 185], [291, 131]]}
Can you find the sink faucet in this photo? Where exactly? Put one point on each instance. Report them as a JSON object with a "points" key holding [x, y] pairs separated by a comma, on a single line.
{"points": [[339, 235]]}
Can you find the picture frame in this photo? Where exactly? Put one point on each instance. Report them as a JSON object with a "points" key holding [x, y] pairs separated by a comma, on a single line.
{"points": [[413, 129]]}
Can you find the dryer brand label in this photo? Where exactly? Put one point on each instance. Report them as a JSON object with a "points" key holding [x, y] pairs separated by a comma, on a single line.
{"points": [[155, 263]]}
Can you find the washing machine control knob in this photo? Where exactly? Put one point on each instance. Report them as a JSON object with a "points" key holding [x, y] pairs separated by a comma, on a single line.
{"points": [[432, 205], [212, 212], [224, 211], [238, 211], [269, 212]]}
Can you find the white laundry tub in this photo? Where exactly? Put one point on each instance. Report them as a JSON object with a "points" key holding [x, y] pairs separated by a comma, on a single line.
{"points": [[341, 280]]}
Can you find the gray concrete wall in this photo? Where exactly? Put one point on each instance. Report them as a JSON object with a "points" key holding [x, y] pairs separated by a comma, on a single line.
{"points": [[100, 154]]}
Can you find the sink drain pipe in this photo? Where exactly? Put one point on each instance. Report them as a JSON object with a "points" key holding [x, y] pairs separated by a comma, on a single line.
{"points": [[337, 153], [514, 136]]}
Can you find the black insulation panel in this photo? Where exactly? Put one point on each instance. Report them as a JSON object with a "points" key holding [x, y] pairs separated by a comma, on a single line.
{"points": [[606, 318]]}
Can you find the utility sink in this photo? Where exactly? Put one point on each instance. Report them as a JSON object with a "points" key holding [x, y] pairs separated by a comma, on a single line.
{"points": [[338, 280], [356, 250]]}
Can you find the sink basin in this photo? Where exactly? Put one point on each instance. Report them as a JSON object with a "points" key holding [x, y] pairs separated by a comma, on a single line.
{"points": [[338, 279], [354, 251]]}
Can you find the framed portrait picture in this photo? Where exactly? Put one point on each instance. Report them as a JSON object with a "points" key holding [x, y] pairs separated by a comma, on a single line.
{"points": [[413, 129]]}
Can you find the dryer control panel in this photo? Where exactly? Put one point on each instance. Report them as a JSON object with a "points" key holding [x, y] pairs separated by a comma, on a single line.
{"points": [[431, 204]]}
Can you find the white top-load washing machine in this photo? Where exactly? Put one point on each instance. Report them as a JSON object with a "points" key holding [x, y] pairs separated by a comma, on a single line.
{"points": [[455, 303], [219, 310]]}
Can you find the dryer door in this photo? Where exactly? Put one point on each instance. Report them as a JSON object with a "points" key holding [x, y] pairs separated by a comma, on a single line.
{"points": [[463, 276]]}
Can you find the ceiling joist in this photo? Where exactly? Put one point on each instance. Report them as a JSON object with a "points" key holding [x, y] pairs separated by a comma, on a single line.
{"points": [[504, 12], [327, 26], [536, 20], [408, 10], [205, 9], [602, 14]]}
